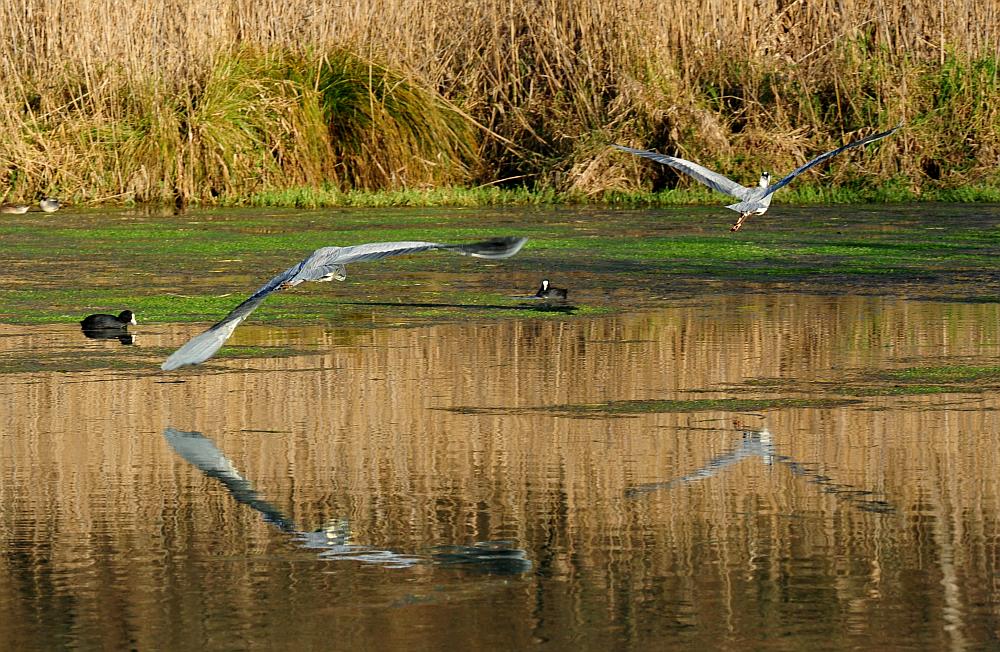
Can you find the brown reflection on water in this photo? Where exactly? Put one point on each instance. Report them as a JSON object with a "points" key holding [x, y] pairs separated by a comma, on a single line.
{"points": [[112, 538]]}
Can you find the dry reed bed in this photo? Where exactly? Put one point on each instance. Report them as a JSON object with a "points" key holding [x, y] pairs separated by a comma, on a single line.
{"points": [[206, 99]]}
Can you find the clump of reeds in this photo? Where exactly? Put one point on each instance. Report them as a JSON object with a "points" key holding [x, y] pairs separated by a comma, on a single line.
{"points": [[278, 119], [225, 99], [387, 132]]}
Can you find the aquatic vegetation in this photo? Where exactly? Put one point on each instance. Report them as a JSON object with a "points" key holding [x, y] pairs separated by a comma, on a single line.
{"points": [[632, 408], [189, 268], [697, 405], [910, 381], [117, 358], [917, 381], [956, 374], [328, 196], [899, 390]]}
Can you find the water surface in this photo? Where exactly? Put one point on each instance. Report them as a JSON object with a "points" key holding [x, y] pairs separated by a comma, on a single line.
{"points": [[506, 484]]}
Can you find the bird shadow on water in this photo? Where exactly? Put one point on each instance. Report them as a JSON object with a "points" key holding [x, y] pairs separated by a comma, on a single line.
{"points": [[757, 444], [539, 306], [333, 540]]}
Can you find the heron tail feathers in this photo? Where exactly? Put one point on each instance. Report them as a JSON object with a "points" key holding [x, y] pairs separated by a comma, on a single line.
{"points": [[744, 207]]}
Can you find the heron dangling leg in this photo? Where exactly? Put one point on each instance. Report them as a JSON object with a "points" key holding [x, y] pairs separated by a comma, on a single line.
{"points": [[336, 273], [739, 222]]}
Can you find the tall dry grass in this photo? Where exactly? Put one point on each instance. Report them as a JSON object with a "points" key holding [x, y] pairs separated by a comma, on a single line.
{"points": [[97, 102]]}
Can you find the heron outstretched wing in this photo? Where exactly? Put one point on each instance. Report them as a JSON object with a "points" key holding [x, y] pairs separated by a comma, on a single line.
{"points": [[699, 173], [822, 157], [495, 248], [319, 265], [323, 261], [203, 346]]}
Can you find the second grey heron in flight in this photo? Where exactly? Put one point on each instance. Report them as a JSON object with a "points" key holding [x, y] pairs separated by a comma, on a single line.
{"points": [[753, 201], [324, 264]]}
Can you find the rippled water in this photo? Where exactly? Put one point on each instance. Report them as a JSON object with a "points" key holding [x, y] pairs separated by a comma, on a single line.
{"points": [[587, 482]]}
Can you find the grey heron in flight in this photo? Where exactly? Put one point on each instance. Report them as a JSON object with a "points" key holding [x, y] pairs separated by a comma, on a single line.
{"points": [[324, 264], [756, 200]]}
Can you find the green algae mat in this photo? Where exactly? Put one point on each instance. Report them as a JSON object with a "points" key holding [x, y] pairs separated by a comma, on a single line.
{"points": [[197, 265]]}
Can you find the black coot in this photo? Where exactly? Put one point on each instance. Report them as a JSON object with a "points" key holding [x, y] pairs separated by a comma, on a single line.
{"points": [[546, 291], [102, 322]]}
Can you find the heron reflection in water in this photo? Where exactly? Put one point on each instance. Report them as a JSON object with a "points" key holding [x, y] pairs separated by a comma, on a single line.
{"points": [[334, 538], [757, 444]]}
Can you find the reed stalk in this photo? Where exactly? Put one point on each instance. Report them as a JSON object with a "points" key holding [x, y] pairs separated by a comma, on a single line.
{"points": [[217, 99]]}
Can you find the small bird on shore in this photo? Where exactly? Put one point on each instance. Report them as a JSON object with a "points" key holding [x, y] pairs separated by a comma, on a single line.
{"points": [[101, 321], [324, 264], [49, 204], [14, 209], [756, 200], [546, 291]]}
